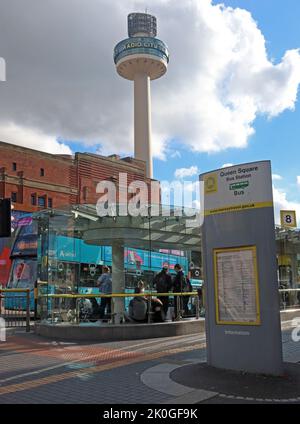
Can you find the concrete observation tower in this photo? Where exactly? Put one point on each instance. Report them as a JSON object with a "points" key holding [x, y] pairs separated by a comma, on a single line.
{"points": [[141, 58]]}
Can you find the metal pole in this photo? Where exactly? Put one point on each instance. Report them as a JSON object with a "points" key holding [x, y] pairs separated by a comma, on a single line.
{"points": [[112, 310], [149, 309], [35, 299], [27, 311], [197, 307], [178, 307], [77, 310]]}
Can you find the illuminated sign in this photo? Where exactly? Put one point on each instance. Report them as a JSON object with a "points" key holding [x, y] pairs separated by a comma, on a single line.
{"points": [[24, 221], [25, 245], [141, 45]]}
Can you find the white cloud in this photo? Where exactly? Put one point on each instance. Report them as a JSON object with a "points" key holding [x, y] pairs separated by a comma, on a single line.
{"points": [[282, 203], [32, 138], [298, 180], [276, 177], [227, 165], [61, 80], [186, 172], [175, 154]]}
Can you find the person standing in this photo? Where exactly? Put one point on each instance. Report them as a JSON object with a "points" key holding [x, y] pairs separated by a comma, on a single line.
{"points": [[179, 286], [105, 286], [185, 301], [163, 283]]}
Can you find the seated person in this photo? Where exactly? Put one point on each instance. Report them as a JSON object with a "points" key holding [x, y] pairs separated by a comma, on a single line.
{"points": [[157, 309], [138, 307]]}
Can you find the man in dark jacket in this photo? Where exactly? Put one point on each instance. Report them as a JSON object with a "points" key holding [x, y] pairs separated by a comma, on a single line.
{"points": [[179, 286], [163, 283]]}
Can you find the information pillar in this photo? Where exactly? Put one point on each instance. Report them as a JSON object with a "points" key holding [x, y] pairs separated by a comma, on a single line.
{"points": [[239, 254]]}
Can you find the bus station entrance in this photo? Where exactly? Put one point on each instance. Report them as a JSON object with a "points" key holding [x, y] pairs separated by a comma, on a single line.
{"points": [[75, 246]]}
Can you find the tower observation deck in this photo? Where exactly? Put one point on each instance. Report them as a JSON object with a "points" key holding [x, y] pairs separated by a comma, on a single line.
{"points": [[142, 58]]}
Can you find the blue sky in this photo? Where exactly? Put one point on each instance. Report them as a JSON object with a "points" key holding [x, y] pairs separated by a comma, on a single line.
{"points": [[63, 93], [276, 139]]}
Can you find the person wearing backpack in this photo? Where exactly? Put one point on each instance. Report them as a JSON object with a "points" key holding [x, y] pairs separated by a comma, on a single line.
{"points": [[188, 289], [163, 283], [138, 306], [179, 286]]}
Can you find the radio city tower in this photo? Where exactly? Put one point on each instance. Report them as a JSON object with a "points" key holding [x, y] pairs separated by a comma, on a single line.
{"points": [[141, 58]]}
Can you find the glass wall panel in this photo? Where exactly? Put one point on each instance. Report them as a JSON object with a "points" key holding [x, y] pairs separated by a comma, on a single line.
{"points": [[288, 262], [75, 246]]}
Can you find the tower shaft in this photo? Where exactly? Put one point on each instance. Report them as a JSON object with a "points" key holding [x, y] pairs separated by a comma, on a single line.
{"points": [[142, 58], [142, 121]]}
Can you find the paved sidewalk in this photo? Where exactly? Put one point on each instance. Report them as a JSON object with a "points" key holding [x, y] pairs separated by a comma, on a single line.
{"points": [[36, 370], [220, 386], [156, 371]]}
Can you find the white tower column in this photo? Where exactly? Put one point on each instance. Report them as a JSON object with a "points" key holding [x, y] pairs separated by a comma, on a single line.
{"points": [[142, 58], [142, 121]]}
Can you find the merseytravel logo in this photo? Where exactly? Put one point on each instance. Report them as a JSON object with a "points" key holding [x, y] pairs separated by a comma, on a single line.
{"points": [[239, 186], [211, 183]]}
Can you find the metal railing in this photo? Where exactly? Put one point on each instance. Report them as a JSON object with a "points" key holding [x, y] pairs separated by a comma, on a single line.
{"points": [[15, 308], [289, 299], [58, 308]]}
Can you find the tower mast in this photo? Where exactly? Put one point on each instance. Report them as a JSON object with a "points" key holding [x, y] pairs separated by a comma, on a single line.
{"points": [[142, 58]]}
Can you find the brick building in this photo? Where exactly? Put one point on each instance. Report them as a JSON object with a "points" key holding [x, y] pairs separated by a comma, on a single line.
{"points": [[36, 180]]}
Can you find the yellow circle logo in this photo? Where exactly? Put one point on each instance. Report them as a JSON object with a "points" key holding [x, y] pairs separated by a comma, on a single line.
{"points": [[211, 184]]}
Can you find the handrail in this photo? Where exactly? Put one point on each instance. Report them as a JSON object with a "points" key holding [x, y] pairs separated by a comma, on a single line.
{"points": [[15, 290], [100, 295], [288, 290], [147, 295]]}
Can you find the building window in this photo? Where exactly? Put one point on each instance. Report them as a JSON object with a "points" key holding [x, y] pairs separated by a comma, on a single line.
{"points": [[14, 197], [50, 203], [85, 193], [42, 201], [33, 199], [14, 166], [42, 172]]}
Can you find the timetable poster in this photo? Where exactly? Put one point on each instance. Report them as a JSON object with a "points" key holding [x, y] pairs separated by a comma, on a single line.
{"points": [[236, 285]]}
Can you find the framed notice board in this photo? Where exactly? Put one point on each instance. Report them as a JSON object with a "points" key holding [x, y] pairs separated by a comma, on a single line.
{"points": [[236, 286]]}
